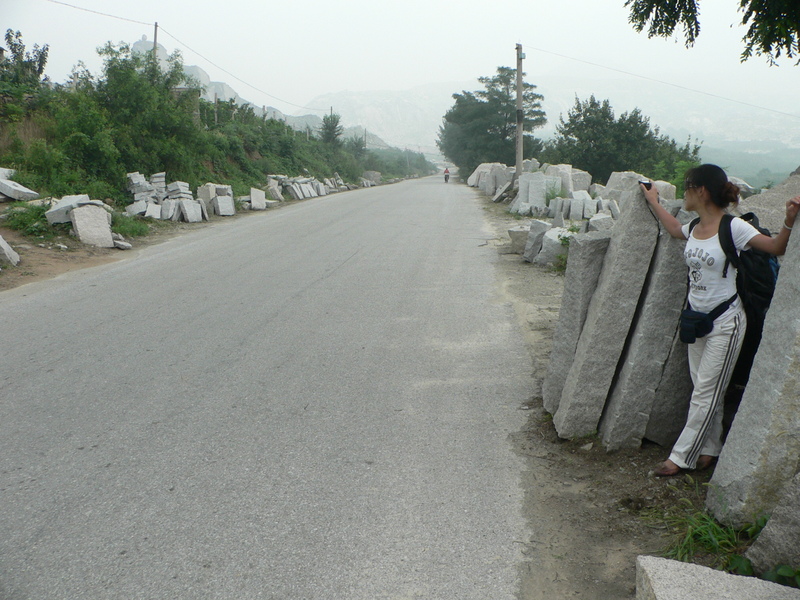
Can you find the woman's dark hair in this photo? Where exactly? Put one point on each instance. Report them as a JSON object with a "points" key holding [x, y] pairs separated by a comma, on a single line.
{"points": [[713, 178]]}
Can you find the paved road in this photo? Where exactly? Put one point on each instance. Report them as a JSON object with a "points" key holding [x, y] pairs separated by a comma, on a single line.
{"points": [[309, 403]]}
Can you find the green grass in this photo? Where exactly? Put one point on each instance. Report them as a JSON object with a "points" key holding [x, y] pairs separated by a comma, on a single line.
{"points": [[128, 227]]}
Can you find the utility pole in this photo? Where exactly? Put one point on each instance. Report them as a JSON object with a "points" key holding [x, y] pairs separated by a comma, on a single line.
{"points": [[155, 42], [520, 113]]}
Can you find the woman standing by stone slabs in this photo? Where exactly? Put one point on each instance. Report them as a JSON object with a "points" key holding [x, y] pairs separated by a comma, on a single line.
{"points": [[712, 354]]}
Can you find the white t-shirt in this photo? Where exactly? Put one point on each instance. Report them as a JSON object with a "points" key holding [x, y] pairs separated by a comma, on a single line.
{"points": [[706, 260]]}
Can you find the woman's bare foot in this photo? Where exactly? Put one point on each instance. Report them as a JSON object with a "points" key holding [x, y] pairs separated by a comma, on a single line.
{"points": [[667, 469]]}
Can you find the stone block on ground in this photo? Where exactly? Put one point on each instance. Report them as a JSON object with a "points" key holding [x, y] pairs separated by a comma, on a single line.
{"points": [[610, 314], [274, 190], [556, 208], [762, 451], [665, 579], [190, 211], [153, 211], [258, 199], [15, 191], [223, 206], [500, 191], [92, 225], [586, 255], [136, 208], [271, 203], [576, 206], [537, 194], [519, 237], [581, 180], [522, 193], [671, 399], [533, 243], [779, 542], [601, 222], [168, 209], [7, 253]]}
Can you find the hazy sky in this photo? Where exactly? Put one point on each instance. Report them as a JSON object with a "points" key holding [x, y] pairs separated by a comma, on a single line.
{"points": [[293, 51]]}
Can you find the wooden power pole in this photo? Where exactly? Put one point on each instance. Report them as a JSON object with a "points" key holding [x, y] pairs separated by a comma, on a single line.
{"points": [[520, 112]]}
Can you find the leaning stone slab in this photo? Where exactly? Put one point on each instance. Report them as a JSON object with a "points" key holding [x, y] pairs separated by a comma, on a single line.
{"points": [[762, 451], [92, 225], [553, 249], [628, 407], [7, 253], [59, 212], [15, 191], [779, 542], [190, 211], [610, 314], [153, 211], [258, 199], [533, 244], [556, 208], [664, 579], [589, 203], [522, 192], [168, 209], [576, 206], [500, 191], [581, 180], [586, 255], [274, 190], [537, 194]]}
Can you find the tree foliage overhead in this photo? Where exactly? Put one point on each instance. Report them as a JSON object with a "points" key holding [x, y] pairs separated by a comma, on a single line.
{"points": [[773, 26], [481, 125], [593, 139]]}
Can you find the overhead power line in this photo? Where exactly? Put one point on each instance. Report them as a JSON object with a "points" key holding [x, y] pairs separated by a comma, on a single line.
{"points": [[209, 61], [675, 85]]}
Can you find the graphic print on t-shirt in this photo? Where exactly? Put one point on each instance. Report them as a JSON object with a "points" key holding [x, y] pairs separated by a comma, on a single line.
{"points": [[696, 275]]}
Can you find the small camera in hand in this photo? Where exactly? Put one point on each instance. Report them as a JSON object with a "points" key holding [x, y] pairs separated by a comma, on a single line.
{"points": [[646, 184]]}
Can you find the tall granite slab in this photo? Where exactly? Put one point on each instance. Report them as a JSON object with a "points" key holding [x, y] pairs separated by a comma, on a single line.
{"points": [[586, 254], [576, 206], [522, 192], [581, 180], [611, 312], [534, 242], [762, 451], [92, 225], [779, 542], [258, 199], [537, 194], [671, 399], [628, 406]]}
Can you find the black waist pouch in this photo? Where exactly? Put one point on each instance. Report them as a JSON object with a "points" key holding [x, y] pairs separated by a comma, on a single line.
{"points": [[697, 324]]}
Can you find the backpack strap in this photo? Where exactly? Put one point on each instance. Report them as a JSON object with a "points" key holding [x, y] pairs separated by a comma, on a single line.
{"points": [[693, 223], [726, 241]]}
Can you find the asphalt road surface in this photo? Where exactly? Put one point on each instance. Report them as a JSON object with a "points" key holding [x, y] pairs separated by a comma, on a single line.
{"points": [[308, 403]]}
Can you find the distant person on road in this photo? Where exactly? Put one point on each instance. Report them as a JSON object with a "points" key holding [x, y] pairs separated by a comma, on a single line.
{"points": [[713, 355], [446, 174]]}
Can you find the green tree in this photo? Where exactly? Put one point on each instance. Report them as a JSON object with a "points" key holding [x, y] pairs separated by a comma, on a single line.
{"points": [[773, 26], [331, 130], [21, 67], [481, 125], [593, 139]]}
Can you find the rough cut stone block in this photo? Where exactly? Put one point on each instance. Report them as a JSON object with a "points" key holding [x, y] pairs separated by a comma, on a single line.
{"points": [[666, 191], [762, 452], [168, 209], [537, 194], [671, 399], [779, 542], [59, 212], [581, 180], [601, 222], [553, 249], [630, 401], [137, 208], [596, 190], [153, 211], [519, 237], [556, 207], [294, 191], [206, 192], [92, 226], [258, 199], [7, 253], [566, 208], [223, 206], [610, 314], [274, 190], [664, 579], [16, 191], [7, 173], [522, 192], [534, 242], [586, 255]]}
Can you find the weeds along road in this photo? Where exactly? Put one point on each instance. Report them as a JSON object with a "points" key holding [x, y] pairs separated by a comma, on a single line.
{"points": [[313, 402]]}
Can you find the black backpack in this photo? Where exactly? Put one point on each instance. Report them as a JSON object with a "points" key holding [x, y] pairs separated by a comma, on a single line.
{"points": [[757, 273]]}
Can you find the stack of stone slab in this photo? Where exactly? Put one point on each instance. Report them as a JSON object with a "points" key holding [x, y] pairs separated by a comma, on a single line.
{"points": [[618, 326], [155, 199], [300, 188]]}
